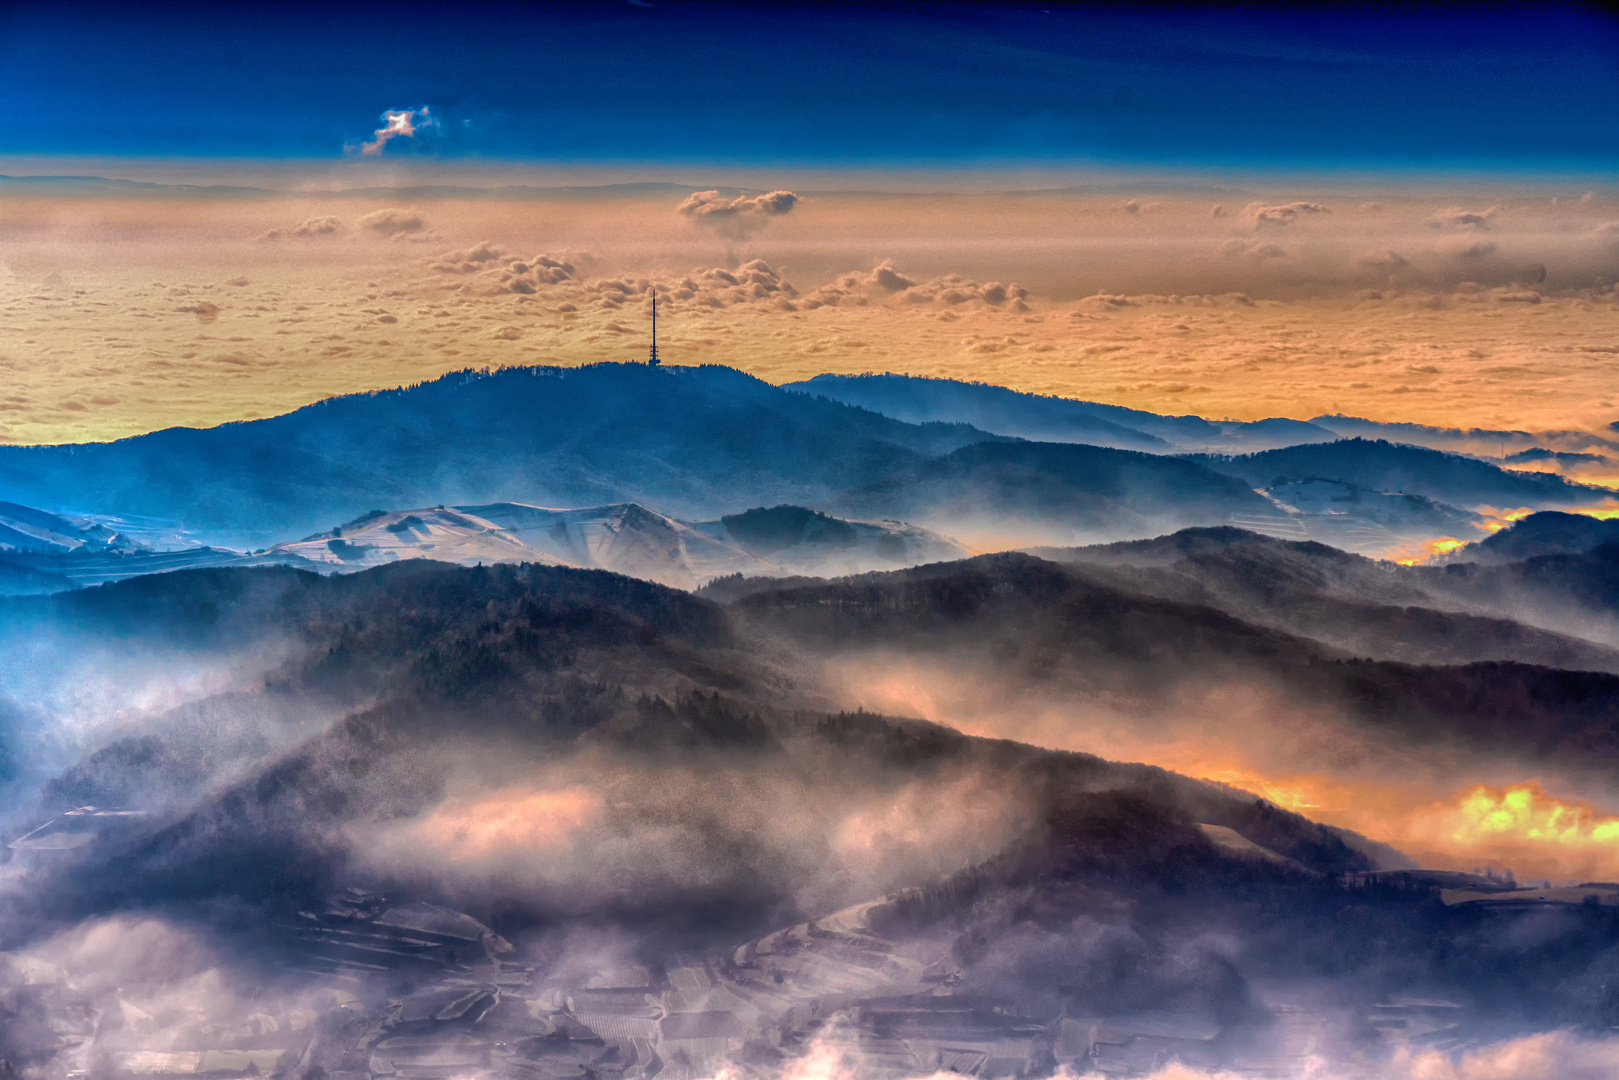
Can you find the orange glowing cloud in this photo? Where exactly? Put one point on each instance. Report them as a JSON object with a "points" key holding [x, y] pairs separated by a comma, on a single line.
{"points": [[1522, 813], [508, 821]]}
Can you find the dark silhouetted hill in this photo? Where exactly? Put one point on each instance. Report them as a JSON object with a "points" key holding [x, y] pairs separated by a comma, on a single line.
{"points": [[1364, 607], [1550, 532], [729, 794], [1037, 621]]}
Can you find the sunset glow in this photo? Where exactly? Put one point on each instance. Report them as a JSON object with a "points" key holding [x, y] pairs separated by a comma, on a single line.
{"points": [[708, 540]]}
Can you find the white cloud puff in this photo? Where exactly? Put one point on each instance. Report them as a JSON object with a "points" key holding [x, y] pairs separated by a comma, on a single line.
{"points": [[399, 124]]}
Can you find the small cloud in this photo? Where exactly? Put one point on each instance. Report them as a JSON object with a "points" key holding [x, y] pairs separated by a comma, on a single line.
{"points": [[1284, 214], [309, 229], [393, 222], [1218, 211], [946, 291], [400, 124], [479, 256], [1136, 206], [738, 218], [886, 278], [1455, 217], [495, 272], [203, 310]]}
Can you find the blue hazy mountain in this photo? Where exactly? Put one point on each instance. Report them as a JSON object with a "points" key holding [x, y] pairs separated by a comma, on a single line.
{"points": [[1376, 465], [697, 443], [1053, 419], [1056, 490], [701, 443]]}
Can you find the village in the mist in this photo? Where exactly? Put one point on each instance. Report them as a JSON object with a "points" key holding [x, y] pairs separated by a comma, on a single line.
{"points": [[686, 541]]}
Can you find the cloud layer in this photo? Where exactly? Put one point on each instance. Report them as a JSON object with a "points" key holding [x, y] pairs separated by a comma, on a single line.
{"points": [[1490, 309]]}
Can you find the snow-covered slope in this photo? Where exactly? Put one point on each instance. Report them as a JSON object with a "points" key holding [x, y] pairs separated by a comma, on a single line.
{"points": [[626, 538], [24, 529], [441, 533]]}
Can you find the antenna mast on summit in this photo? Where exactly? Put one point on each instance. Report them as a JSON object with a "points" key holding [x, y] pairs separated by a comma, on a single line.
{"points": [[652, 357]]}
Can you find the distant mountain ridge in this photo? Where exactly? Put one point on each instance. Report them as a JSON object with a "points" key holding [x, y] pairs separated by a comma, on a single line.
{"points": [[1056, 489], [102, 185], [704, 442], [1348, 602], [1047, 418], [1382, 466]]}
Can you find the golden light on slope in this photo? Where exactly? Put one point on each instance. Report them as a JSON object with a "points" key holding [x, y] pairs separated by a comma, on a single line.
{"points": [[1426, 550], [1445, 813], [1520, 827], [1522, 813], [1496, 520]]}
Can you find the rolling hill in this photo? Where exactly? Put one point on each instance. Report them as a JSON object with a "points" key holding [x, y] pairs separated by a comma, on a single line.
{"points": [[697, 442]]}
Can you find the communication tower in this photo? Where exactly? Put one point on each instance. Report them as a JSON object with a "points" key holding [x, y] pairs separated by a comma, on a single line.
{"points": [[652, 357]]}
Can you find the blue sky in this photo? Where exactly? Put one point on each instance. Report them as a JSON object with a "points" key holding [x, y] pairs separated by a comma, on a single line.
{"points": [[909, 85]]}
